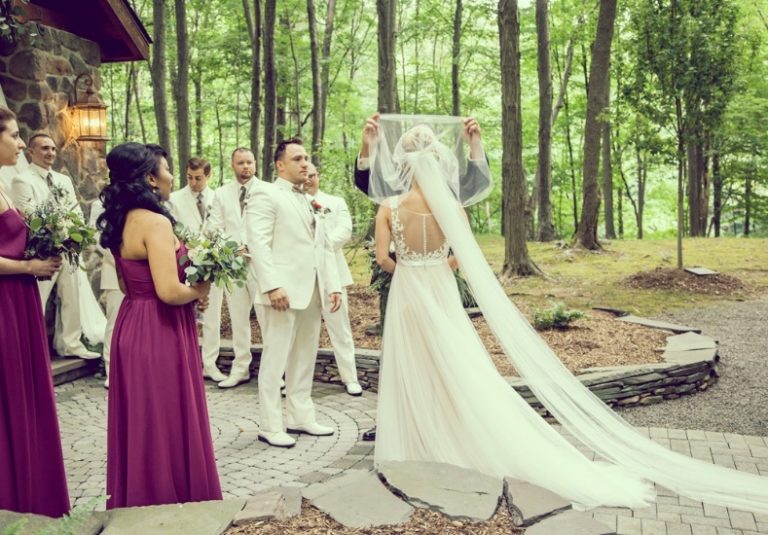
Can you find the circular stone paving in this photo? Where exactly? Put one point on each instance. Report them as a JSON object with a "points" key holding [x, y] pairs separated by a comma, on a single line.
{"points": [[246, 465]]}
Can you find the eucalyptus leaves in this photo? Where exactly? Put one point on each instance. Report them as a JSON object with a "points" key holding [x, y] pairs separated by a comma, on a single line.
{"points": [[56, 230], [212, 257]]}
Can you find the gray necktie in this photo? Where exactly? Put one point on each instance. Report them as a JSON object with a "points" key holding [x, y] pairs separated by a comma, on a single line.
{"points": [[242, 199], [201, 206]]}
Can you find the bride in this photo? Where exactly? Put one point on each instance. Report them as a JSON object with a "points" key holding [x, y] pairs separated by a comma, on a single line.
{"points": [[440, 396]]}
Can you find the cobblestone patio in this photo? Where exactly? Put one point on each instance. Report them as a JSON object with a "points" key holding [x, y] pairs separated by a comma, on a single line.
{"points": [[247, 466]]}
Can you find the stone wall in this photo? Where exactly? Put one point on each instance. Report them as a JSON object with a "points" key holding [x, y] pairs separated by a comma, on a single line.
{"points": [[37, 75]]}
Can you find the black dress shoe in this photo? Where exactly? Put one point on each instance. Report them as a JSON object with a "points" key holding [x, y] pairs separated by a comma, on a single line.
{"points": [[370, 435]]}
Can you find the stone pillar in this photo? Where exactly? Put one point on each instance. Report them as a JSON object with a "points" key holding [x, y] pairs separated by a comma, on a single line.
{"points": [[37, 76]]}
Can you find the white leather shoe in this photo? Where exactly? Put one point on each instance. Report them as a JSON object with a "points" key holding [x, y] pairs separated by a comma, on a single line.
{"points": [[82, 352], [234, 380], [214, 374], [279, 440], [354, 389], [314, 429]]}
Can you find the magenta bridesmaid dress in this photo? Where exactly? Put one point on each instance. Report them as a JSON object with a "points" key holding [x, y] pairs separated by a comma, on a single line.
{"points": [[32, 478], [159, 447]]}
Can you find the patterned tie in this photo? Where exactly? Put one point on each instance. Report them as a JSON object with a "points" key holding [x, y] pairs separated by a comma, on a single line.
{"points": [[242, 199], [49, 179], [201, 206]]}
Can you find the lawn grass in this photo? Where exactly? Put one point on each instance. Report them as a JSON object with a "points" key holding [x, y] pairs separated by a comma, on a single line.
{"points": [[584, 279]]}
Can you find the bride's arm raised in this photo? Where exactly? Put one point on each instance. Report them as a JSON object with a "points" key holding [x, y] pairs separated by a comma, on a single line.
{"points": [[384, 238]]}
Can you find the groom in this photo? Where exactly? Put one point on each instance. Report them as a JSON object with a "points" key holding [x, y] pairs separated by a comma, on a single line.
{"points": [[293, 271]]}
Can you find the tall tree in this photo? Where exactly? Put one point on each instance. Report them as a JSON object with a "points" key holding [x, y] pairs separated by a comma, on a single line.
{"points": [[456, 58], [387, 17], [546, 228], [270, 89], [253, 25], [610, 229], [317, 112], [325, 64], [181, 90], [597, 101], [159, 72], [517, 261]]}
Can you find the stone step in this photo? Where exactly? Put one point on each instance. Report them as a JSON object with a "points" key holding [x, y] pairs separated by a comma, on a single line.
{"points": [[67, 369]]}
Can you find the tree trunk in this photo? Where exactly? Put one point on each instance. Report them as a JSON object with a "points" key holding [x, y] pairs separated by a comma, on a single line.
{"points": [[680, 179], [544, 165], [254, 32], [748, 199], [325, 65], [220, 132], [456, 56], [571, 165], [181, 90], [270, 89], [717, 184], [159, 76], [610, 230], [387, 97], [139, 114], [597, 100], [317, 118], [516, 258], [128, 94], [197, 82]]}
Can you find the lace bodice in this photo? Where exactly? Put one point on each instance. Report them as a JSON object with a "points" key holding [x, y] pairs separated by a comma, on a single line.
{"points": [[417, 237]]}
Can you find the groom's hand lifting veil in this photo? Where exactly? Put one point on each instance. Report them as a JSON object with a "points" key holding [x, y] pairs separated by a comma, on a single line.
{"points": [[335, 301]]}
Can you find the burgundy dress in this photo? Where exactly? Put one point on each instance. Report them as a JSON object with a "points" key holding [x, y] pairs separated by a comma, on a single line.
{"points": [[32, 478], [159, 447]]}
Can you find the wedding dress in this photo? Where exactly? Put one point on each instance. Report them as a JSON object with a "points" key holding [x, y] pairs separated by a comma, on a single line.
{"points": [[440, 396]]}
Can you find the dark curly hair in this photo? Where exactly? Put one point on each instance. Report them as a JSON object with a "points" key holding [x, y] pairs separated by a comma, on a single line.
{"points": [[128, 189]]}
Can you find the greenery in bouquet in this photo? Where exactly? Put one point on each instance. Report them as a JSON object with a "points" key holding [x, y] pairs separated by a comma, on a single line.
{"points": [[57, 230], [212, 257]]}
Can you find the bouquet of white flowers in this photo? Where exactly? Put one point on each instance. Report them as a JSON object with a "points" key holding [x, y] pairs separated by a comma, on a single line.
{"points": [[212, 257], [55, 230]]}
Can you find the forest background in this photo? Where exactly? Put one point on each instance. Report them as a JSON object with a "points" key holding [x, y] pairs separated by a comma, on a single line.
{"points": [[650, 102]]}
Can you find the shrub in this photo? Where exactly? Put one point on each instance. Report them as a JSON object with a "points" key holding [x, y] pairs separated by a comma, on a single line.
{"points": [[555, 317]]}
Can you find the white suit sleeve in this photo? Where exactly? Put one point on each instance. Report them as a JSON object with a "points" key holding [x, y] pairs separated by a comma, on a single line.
{"points": [[340, 231], [260, 213], [22, 195]]}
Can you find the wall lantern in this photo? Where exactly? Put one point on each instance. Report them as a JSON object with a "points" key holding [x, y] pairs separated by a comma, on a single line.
{"points": [[89, 113]]}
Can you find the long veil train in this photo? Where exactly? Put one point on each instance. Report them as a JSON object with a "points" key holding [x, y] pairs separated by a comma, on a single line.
{"points": [[432, 158]]}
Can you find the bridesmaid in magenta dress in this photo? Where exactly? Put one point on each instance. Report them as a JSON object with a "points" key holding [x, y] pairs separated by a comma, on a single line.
{"points": [[32, 478], [159, 447]]}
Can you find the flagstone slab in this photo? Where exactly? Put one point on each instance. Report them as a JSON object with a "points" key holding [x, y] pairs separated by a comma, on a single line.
{"points": [[363, 502], [458, 493], [689, 341], [529, 503], [277, 503], [195, 518], [28, 524], [701, 271], [318, 489], [656, 324], [572, 523]]}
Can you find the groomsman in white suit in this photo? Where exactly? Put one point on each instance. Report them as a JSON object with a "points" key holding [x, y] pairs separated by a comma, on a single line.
{"points": [[338, 226], [191, 206], [109, 287], [294, 275], [228, 215], [28, 189]]}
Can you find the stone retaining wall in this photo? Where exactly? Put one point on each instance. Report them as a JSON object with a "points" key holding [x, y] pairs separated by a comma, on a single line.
{"points": [[683, 373]]}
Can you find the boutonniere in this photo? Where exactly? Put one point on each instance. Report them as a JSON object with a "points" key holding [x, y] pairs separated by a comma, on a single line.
{"points": [[318, 208]]}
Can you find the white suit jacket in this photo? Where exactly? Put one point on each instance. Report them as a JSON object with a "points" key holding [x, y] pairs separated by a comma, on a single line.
{"points": [[184, 207], [285, 250], [338, 228], [108, 279], [30, 188], [225, 210]]}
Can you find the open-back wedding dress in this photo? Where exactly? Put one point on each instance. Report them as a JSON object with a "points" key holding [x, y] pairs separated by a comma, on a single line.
{"points": [[440, 396]]}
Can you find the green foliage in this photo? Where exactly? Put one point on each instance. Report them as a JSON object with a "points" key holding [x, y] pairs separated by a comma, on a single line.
{"points": [[213, 258], [13, 17], [555, 317], [16, 528], [662, 47], [74, 522]]}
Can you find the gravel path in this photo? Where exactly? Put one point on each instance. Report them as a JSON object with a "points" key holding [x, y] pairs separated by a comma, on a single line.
{"points": [[738, 402]]}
